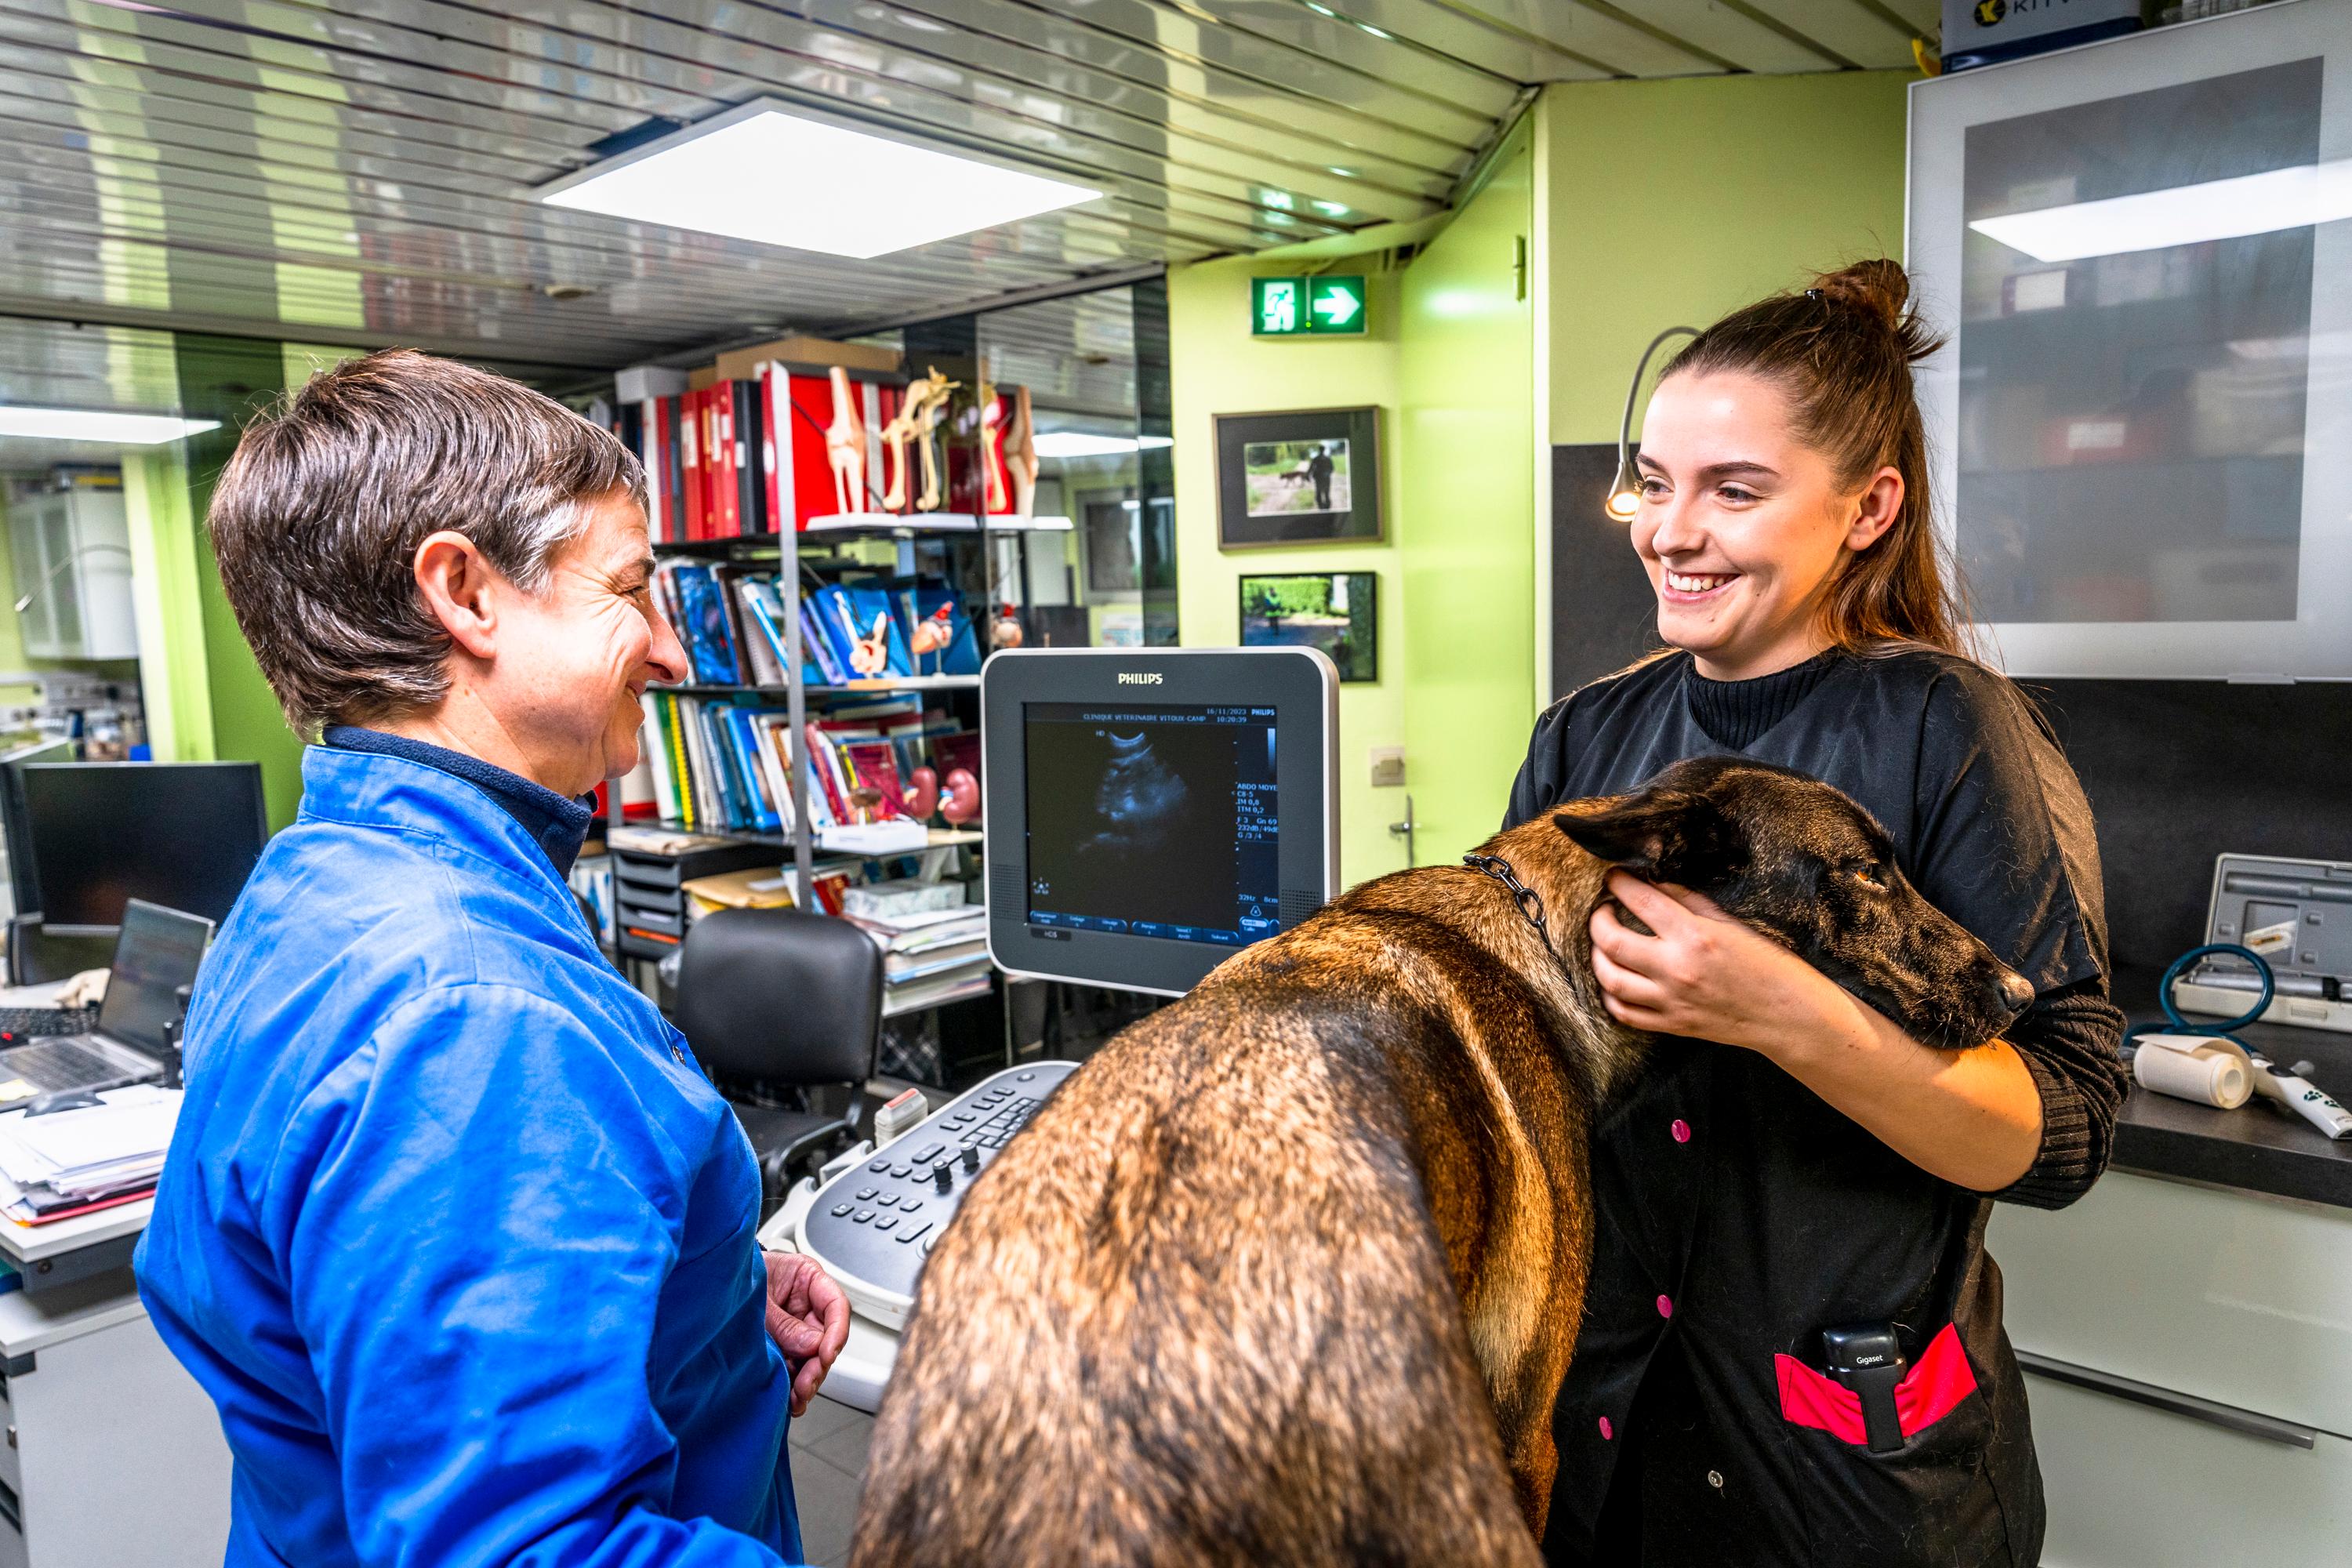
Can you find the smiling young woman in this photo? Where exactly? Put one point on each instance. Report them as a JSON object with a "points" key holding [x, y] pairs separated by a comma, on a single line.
{"points": [[1826, 1170]]}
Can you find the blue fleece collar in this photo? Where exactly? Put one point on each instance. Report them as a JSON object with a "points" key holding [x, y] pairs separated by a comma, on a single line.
{"points": [[557, 824]]}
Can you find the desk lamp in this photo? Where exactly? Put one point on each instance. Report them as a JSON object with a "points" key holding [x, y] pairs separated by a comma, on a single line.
{"points": [[1625, 489]]}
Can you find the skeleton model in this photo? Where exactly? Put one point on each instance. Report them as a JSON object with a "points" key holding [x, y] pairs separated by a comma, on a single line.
{"points": [[845, 447], [927, 400]]}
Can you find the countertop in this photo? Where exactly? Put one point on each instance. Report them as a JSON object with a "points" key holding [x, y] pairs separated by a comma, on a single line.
{"points": [[2259, 1147]]}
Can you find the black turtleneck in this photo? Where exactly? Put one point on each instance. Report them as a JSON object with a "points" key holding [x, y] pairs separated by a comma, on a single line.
{"points": [[559, 825], [1738, 713]]}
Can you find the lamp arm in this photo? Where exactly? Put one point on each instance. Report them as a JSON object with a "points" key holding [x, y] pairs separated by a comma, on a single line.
{"points": [[1622, 484]]}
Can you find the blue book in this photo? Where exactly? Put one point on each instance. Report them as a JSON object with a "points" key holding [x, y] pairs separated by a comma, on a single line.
{"points": [[710, 640], [818, 649], [846, 625], [744, 729], [721, 753]]}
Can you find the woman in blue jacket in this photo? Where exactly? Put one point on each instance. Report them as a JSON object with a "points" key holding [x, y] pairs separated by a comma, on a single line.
{"points": [[453, 1229]]}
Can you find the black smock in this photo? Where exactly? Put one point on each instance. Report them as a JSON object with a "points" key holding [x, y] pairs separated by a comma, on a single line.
{"points": [[1738, 1214]]}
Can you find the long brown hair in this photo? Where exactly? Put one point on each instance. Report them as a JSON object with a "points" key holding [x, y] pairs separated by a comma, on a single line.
{"points": [[1842, 352]]}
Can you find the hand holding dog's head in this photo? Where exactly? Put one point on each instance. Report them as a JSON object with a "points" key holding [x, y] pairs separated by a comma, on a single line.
{"points": [[1794, 858]]}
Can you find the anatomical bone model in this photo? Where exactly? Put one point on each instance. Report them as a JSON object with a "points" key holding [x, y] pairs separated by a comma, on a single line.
{"points": [[991, 450], [926, 401], [1020, 455], [845, 447]]}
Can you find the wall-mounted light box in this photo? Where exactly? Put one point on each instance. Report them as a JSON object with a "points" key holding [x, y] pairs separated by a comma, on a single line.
{"points": [[1330, 306]]}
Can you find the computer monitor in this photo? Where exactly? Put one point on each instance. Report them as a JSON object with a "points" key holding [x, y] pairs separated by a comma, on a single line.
{"points": [[1151, 811], [182, 835], [157, 954], [24, 888]]}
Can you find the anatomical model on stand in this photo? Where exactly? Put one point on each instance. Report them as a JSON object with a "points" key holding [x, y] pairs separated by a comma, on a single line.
{"points": [[927, 400], [844, 447], [1020, 455]]}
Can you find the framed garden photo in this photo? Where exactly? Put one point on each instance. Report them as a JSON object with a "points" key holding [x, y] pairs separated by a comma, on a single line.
{"points": [[1307, 477], [1338, 611]]}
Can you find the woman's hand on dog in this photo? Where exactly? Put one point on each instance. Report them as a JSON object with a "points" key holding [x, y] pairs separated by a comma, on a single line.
{"points": [[1704, 975]]}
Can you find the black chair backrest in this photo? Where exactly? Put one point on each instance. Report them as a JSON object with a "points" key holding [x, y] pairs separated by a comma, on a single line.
{"points": [[780, 997]]}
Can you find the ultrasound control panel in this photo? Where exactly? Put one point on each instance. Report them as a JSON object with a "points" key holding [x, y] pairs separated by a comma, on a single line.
{"points": [[873, 1226]]}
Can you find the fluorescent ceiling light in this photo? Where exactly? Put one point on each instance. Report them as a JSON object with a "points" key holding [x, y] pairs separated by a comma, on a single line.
{"points": [[99, 425], [1086, 444], [786, 176], [2185, 215]]}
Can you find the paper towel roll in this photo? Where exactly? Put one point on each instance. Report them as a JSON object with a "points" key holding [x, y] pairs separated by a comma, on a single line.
{"points": [[2206, 1074]]}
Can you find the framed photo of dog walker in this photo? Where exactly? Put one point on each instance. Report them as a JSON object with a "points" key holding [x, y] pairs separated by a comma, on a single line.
{"points": [[1305, 477]]}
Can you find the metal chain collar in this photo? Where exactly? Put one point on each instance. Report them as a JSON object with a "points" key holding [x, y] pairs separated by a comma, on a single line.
{"points": [[1531, 906]]}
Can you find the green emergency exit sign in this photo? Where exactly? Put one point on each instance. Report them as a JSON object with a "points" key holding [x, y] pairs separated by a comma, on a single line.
{"points": [[1307, 307]]}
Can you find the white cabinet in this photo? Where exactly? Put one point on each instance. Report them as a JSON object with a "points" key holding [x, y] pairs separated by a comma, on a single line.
{"points": [[2189, 1367], [71, 550], [2143, 249]]}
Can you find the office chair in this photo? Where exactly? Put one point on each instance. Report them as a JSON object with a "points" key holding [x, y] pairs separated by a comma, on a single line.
{"points": [[775, 999]]}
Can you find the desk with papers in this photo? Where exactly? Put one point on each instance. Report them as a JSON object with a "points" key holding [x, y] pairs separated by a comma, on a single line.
{"points": [[114, 1454]]}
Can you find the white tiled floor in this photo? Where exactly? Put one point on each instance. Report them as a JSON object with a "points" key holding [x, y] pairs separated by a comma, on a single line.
{"points": [[828, 1445]]}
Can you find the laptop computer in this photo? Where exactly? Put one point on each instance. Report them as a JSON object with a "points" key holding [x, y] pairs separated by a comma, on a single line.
{"points": [[158, 951]]}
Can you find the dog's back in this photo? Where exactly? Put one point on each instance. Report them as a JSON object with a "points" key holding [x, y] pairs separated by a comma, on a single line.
{"points": [[1202, 1312]]}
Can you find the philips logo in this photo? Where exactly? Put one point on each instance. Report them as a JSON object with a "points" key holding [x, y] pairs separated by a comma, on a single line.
{"points": [[1139, 677]]}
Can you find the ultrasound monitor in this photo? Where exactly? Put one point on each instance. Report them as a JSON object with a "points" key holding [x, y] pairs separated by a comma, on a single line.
{"points": [[1152, 811], [181, 835]]}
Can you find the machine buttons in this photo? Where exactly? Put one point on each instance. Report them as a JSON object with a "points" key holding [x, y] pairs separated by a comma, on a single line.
{"points": [[886, 1222], [910, 1205], [902, 1169], [861, 1217], [866, 1194], [971, 1159], [887, 1200], [1024, 1077], [878, 1166], [944, 1173], [839, 1210], [932, 1152], [905, 1236]]}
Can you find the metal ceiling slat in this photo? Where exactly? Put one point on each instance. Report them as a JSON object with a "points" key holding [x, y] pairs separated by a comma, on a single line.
{"points": [[1344, 106], [1534, 37], [715, 89], [1726, 29], [1345, 44], [1215, 204], [1179, 215], [1925, 17], [1867, 37]]}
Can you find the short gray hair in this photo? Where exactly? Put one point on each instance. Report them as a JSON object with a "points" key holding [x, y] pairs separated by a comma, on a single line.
{"points": [[317, 518]]}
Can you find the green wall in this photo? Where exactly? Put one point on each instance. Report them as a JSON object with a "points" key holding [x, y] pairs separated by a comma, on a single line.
{"points": [[1449, 361], [1217, 368], [1669, 203]]}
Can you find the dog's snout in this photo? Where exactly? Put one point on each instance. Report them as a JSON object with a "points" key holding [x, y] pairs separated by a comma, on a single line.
{"points": [[2015, 990]]}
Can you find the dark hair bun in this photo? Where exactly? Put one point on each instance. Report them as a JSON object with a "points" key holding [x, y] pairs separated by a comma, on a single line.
{"points": [[1880, 289]]}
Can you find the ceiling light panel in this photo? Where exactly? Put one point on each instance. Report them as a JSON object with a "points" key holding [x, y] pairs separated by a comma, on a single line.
{"points": [[2185, 215], [782, 177], [100, 424]]}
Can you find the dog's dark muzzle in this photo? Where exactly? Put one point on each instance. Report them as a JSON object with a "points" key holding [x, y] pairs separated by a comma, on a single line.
{"points": [[2012, 993]]}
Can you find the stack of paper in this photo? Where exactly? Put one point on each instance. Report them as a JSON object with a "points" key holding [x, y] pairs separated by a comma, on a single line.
{"points": [[931, 955], [69, 1161]]}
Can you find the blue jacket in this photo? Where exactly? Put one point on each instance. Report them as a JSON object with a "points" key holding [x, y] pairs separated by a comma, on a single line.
{"points": [[452, 1229]]}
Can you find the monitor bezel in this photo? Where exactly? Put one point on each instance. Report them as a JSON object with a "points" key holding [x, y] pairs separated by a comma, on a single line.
{"points": [[1294, 681]]}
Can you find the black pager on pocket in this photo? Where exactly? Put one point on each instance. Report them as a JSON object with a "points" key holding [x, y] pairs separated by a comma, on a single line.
{"points": [[1868, 1359]]}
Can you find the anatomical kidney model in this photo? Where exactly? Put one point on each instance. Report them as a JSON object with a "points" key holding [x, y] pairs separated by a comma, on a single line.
{"points": [[960, 803], [844, 447], [1020, 455], [1006, 631], [922, 793]]}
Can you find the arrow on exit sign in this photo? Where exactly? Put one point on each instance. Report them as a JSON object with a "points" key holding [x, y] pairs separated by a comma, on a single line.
{"points": [[1302, 307]]}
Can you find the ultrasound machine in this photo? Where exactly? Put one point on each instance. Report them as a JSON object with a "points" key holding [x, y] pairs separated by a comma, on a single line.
{"points": [[1151, 812]]}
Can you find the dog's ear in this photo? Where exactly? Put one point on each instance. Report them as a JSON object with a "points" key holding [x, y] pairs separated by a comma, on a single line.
{"points": [[1666, 835]]}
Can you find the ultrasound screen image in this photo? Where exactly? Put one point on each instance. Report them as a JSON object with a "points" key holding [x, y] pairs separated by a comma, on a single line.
{"points": [[1152, 820]]}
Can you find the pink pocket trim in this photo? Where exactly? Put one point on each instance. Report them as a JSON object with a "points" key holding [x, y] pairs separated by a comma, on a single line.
{"points": [[1928, 1392]]}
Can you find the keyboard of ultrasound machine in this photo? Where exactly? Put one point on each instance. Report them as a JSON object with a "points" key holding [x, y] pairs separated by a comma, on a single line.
{"points": [[873, 1225], [25, 1023]]}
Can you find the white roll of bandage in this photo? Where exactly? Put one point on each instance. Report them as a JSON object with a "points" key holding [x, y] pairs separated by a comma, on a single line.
{"points": [[2193, 1068]]}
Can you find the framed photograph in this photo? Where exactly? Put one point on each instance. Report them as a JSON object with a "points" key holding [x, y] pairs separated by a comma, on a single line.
{"points": [[1338, 611], [1311, 477]]}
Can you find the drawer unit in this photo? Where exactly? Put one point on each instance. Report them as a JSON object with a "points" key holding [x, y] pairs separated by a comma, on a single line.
{"points": [[647, 891], [2232, 1297]]}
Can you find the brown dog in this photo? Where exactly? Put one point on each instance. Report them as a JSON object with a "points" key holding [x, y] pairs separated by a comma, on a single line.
{"points": [[1290, 1272]]}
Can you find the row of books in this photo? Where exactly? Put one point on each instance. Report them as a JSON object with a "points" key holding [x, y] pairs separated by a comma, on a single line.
{"points": [[750, 456], [732, 624], [727, 766], [930, 956]]}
